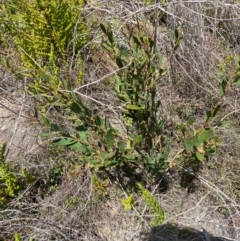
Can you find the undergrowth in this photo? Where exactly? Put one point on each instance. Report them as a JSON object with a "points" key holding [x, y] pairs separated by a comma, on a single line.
{"points": [[51, 40]]}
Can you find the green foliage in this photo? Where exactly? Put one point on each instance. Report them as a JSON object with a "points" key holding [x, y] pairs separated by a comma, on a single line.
{"points": [[99, 186], [128, 202], [135, 85], [44, 33], [17, 237], [198, 144], [10, 183], [8, 180], [103, 147], [153, 206]]}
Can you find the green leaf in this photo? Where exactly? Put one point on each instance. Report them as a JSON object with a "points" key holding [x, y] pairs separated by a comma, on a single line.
{"points": [[35, 113], [75, 107], [133, 107], [224, 84], [110, 139], [200, 156], [163, 71], [64, 141], [98, 121], [189, 145], [103, 28], [45, 76], [176, 33], [106, 155], [53, 84], [171, 35], [136, 40], [110, 36], [55, 127], [79, 147], [72, 144], [196, 141], [83, 135], [236, 81], [93, 161], [191, 120], [121, 146], [119, 62], [44, 134], [205, 136], [124, 53], [137, 139], [17, 237], [151, 43], [109, 163], [45, 120], [209, 115]]}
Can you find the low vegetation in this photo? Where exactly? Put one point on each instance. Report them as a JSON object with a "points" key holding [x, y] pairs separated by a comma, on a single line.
{"points": [[136, 110]]}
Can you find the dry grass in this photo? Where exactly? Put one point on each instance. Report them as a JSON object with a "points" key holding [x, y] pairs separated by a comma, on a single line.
{"points": [[72, 209]]}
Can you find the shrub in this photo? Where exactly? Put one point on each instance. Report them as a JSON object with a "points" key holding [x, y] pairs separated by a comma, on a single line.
{"points": [[49, 36], [9, 182]]}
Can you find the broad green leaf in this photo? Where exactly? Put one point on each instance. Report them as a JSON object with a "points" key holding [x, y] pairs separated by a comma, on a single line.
{"points": [[75, 107], [83, 135], [196, 141], [151, 161], [110, 139], [79, 147], [107, 163], [104, 155], [64, 141], [205, 136], [72, 144], [130, 157], [189, 145], [133, 107], [121, 146], [200, 156]]}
